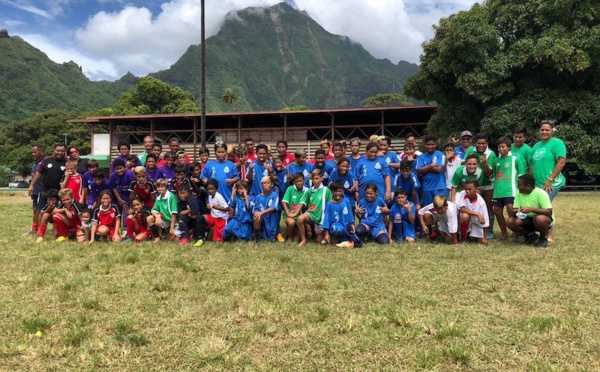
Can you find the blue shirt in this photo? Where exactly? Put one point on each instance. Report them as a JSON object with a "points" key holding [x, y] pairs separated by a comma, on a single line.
{"points": [[347, 181], [354, 163], [372, 214], [460, 152], [400, 215], [168, 172], [95, 190], [221, 172], [240, 212], [121, 183], [409, 185], [304, 169], [282, 179], [371, 171], [327, 169], [430, 180], [192, 204], [340, 212], [392, 157], [258, 172], [264, 202], [155, 174]]}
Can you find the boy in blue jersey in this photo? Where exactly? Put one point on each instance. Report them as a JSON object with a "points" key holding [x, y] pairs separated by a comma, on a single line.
{"points": [[221, 170], [326, 169], [338, 219], [239, 225], [120, 180], [402, 218], [373, 169], [390, 156], [266, 218], [300, 165], [430, 166], [409, 182], [371, 210], [261, 167], [345, 177], [281, 184], [99, 183]]}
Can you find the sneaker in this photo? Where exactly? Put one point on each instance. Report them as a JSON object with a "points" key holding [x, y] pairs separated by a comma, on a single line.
{"points": [[128, 240], [39, 239], [490, 235], [531, 238], [183, 241], [30, 232], [61, 239], [199, 243], [345, 244], [542, 243], [280, 238]]}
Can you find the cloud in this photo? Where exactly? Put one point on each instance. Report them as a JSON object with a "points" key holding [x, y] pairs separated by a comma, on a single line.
{"points": [[12, 23], [28, 8]]}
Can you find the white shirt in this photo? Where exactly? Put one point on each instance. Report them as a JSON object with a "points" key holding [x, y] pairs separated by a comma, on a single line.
{"points": [[477, 205], [450, 218], [451, 168], [219, 201]]}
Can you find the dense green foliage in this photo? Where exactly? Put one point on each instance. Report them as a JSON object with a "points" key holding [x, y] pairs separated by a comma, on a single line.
{"points": [[277, 57], [47, 129], [505, 63], [152, 96], [386, 100], [32, 83], [296, 108]]}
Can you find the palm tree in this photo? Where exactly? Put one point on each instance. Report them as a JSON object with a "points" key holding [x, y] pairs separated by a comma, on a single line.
{"points": [[228, 96]]}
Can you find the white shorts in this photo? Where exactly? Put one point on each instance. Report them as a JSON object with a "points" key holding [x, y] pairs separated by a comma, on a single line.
{"points": [[166, 225], [476, 228]]}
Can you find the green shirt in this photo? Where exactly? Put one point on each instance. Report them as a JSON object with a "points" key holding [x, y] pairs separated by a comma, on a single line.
{"points": [[545, 156], [537, 198], [506, 171], [166, 205], [525, 152], [461, 177], [292, 198], [315, 200], [490, 156]]}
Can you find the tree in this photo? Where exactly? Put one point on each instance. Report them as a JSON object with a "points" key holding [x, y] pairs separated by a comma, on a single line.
{"points": [[228, 96], [509, 62], [296, 108], [386, 100], [152, 96], [47, 129]]}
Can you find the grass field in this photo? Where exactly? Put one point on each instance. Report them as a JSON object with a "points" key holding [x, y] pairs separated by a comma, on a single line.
{"points": [[274, 306]]}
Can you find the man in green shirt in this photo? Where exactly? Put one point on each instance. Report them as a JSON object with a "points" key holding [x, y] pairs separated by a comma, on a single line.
{"points": [[520, 148], [532, 212]]}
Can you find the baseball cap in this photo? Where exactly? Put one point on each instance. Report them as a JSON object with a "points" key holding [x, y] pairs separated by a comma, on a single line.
{"points": [[466, 133]]}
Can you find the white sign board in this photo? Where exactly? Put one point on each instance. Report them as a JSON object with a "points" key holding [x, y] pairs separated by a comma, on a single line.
{"points": [[101, 144]]}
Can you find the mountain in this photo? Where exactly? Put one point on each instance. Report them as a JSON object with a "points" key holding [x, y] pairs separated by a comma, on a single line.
{"points": [[278, 56], [30, 82]]}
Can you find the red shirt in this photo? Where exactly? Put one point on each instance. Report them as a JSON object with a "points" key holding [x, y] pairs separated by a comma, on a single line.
{"points": [[107, 217], [288, 159], [144, 192], [75, 183]]}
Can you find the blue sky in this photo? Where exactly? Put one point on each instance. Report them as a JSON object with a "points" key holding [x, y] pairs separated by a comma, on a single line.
{"points": [[111, 37]]}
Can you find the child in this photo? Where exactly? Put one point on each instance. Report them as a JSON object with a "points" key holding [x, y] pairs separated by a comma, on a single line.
{"points": [[485, 158], [338, 219], [164, 210], [221, 170], [85, 230], [240, 221], [168, 170], [451, 163], [46, 213], [182, 160], [339, 152], [66, 216], [284, 155], [138, 222], [390, 157], [373, 169], [107, 219], [355, 155], [153, 172], [132, 162], [343, 175], [189, 210], [219, 213], [73, 180], [204, 154], [520, 148], [300, 165], [402, 218], [88, 179], [143, 188], [430, 167], [469, 171], [410, 155], [314, 199], [180, 179], [280, 179], [473, 214], [261, 167], [291, 204], [266, 218], [409, 182], [99, 184], [506, 170], [157, 151], [371, 210], [442, 214], [320, 163], [120, 182]]}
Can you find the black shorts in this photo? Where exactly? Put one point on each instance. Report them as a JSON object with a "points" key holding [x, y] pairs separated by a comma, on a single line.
{"points": [[502, 202], [35, 202]]}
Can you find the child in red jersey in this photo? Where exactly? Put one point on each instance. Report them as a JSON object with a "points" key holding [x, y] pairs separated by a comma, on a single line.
{"points": [[143, 188], [66, 216], [137, 222], [106, 220], [73, 180], [46, 213]]}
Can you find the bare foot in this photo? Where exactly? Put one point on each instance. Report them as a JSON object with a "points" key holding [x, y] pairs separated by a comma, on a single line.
{"points": [[504, 237], [302, 242]]}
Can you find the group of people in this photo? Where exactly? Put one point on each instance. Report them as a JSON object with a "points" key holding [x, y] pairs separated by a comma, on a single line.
{"points": [[340, 196]]}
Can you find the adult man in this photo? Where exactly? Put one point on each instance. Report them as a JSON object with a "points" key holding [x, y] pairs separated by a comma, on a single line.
{"points": [[37, 152], [148, 142], [250, 154], [175, 146], [465, 144], [532, 212], [49, 173]]}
